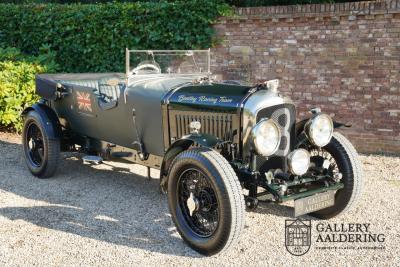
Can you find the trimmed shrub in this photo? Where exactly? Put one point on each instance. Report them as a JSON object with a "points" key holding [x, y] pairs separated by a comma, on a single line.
{"points": [[17, 82], [253, 3], [93, 37], [243, 3], [73, 1]]}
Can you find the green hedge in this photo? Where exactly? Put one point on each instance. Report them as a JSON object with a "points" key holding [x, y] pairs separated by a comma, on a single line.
{"points": [[252, 3], [242, 3], [17, 82], [73, 1], [93, 38]]}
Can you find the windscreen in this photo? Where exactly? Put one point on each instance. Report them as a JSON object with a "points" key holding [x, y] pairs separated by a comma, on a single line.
{"points": [[145, 62]]}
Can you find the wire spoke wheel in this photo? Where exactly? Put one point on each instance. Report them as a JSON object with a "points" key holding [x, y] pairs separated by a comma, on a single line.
{"points": [[339, 160], [205, 200], [324, 161], [198, 201]]}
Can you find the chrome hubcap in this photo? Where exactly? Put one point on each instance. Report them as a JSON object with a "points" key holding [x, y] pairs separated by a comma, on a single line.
{"points": [[192, 204]]}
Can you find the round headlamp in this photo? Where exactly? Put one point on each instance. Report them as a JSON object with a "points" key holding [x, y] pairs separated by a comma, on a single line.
{"points": [[299, 161], [320, 130], [266, 137]]}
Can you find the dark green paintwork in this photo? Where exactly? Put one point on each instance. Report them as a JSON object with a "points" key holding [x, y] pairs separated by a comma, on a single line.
{"points": [[214, 96], [138, 105], [48, 118], [205, 140], [138, 109]]}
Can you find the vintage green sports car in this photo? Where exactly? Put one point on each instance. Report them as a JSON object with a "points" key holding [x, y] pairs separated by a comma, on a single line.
{"points": [[220, 146]]}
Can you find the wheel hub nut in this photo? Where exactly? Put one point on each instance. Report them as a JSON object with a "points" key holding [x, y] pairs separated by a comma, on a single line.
{"points": [[192, 204]]}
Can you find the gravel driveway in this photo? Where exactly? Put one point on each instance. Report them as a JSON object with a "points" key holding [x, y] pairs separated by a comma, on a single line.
{"points": [[111, 215]]}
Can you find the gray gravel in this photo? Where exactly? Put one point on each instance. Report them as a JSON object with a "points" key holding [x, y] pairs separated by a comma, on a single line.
{"points": [[111, 215]]}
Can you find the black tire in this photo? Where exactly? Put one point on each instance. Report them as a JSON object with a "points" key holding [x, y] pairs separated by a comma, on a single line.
{"points": [[225, 191], [349, 165], [42, 163]]}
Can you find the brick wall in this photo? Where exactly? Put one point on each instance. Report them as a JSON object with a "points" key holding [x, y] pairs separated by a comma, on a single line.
{"points": [[344, 58]]}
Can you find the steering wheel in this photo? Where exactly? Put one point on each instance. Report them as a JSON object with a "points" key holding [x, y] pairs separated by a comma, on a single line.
{"points": [[154, 67]]}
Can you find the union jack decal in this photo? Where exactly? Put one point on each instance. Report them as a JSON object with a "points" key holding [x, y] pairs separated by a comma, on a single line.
{"points": [[83, 100]]}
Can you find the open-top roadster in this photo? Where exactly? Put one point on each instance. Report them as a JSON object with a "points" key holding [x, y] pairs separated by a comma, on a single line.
{"points": [[219, 145]]}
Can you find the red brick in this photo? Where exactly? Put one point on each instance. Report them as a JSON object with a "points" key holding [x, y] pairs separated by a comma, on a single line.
{"points": [[343, 58]]}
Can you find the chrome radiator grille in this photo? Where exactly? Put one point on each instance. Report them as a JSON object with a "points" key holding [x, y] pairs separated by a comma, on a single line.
{"points": [[285, 116], [222, 125]]}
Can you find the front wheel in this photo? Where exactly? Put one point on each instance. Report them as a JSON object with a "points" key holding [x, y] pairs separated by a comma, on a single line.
{"points": [[206, 201], [343, 159]]}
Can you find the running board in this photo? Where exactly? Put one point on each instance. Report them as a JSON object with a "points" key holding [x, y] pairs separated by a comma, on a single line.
{"points": [[92, 159]]}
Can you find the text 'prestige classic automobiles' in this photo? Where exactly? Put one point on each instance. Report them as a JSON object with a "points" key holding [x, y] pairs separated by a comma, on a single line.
{"points": [[220, 146]]}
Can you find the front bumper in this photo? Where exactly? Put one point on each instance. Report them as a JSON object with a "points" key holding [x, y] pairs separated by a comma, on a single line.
{"points": [[283, 198], [290, 189]]}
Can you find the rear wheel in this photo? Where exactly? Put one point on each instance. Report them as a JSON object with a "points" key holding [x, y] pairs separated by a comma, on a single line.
{"points": [[205, 200], [340, 157], [41, 153]]}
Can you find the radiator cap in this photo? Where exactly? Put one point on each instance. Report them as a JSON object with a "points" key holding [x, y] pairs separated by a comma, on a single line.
{"points": [[272, 85]]}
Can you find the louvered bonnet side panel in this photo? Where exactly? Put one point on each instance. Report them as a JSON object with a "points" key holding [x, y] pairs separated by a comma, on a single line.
{"points": [[222, 125]]}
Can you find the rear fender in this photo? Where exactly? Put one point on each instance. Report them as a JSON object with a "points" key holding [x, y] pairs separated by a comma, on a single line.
{"points": [[180, 145], [49, 119]]}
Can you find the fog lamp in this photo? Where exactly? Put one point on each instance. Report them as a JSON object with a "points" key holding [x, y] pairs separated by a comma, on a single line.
{"points": [[299, 161]]}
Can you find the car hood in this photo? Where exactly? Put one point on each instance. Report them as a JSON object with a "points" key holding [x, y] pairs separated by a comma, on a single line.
{"points": [[215, 96]]}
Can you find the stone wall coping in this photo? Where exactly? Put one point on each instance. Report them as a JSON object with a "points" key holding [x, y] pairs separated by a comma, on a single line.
{"points": [[311, 10]]}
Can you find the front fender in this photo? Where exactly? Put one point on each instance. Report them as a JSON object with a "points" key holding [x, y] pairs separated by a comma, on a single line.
{"points": [[205, 140], [180, 145]]}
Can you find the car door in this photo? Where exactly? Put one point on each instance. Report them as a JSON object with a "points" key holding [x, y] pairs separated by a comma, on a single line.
{"points": [[96, 109], [115, 122]]}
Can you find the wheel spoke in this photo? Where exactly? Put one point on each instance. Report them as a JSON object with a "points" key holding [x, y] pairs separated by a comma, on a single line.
{"points": [[41, 153], [319, 156], [203, 219]]}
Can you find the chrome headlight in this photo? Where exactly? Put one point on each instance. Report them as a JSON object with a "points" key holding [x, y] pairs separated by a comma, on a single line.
{"points": [[299, 161], [320, 129], [266, 137]]}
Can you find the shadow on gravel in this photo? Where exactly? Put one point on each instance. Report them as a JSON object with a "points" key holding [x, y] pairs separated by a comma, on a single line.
{"points": [[113, 205]]}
